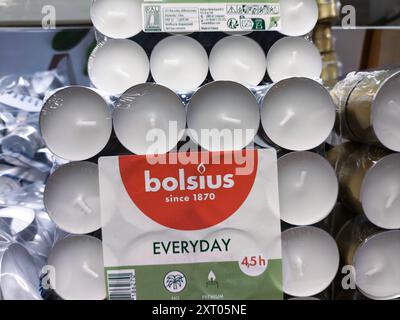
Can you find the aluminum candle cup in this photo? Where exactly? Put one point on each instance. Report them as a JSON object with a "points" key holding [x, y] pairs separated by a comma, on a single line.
{"points": [[377, 266], [370, 182], [24, 140], [179, 63], [20, 222], [308, 188], [116, 65], [299, 17], [75, 123], [79, 268], [352, 234], [297, 114], [373, 110], [71, 197], [293, 57], [239, 59], [149, 119], [310, 261], [380, 193], [19, 277], [117, 19], [223, 116], [323, 38], [329, 10], [374, 253]]}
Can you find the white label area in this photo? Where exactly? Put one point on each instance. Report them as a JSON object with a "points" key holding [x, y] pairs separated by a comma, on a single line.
{"points": [[192, 17]]}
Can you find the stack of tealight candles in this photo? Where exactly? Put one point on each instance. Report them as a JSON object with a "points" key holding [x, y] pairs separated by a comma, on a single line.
{"points": [[329, 13], [368, 167], [211, 81]]}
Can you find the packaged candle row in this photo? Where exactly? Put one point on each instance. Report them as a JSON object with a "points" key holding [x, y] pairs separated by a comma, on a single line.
{"points": [[181, 63], [121, 19], [368, 105], [296, 114], [307, 184], [369, 179]]}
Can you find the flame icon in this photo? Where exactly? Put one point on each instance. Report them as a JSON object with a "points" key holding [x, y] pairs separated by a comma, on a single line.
{"points": [[201, 168], [212, 280], [211, 276]]}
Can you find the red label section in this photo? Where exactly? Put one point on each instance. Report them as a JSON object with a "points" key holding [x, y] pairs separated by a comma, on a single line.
{"points": [[192, 196]]}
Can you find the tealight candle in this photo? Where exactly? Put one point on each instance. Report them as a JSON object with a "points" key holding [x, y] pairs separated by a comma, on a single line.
{"points": [[310, 261], [71, 197], [239, 59], [116, 65], [223, 116], [377, 266], [308, 188], [179, 63], [380, 192], [373, 110], [299, 17], [293, 57], [117, 19], [298, 114], [75, 123], [79, 268], [149, 118], [19, 278]]}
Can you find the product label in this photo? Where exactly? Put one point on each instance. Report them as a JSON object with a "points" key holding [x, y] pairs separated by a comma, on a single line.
{"points": [[213, 15], [204, 227]]}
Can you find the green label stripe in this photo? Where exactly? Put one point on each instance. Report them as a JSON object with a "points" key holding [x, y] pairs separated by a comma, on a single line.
{"points": [[230, 282]]}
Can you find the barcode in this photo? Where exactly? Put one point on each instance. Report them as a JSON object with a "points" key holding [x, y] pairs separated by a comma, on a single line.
{"points": [[121, 284]]}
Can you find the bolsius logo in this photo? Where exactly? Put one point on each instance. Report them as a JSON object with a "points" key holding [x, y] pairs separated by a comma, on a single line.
{"points": [[187, 196], [190, 183]]}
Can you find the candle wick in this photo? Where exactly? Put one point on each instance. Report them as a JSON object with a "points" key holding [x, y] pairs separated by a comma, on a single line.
{"points": [[289, 115], [82, 205], [87, 269], [372, 272], [299, 266], [86, 123], [302, 180], [391, 199]]}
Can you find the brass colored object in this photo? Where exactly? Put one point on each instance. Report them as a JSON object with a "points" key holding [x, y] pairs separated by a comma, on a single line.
{"points": [[360, 104], [353, 234], [329, 10], [331, 69], [351, 163], [323, 38]]}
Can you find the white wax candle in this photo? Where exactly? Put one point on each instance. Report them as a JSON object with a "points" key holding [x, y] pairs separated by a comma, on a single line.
{"points": [[308, 188], [75, 123], [179, 63], [310, 261], [71, 197], [228, 112], [116, 65], [239, 59], [298, 114], [149, 119], [386, 113], [19, 278], [377, 266], [293, 57], [299, 17], [117, 19], [79, 269], [380, 193]]}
